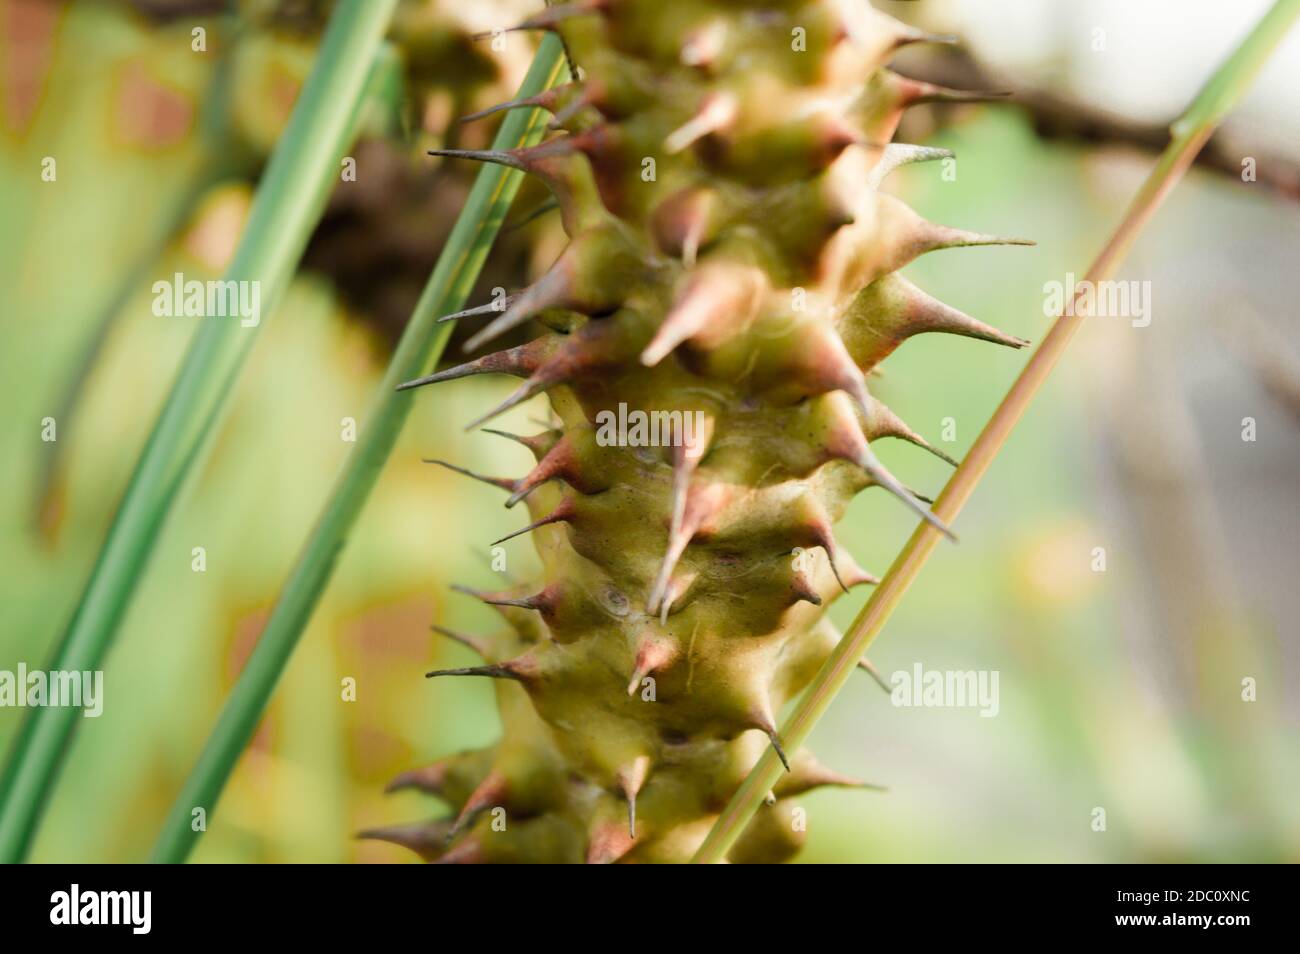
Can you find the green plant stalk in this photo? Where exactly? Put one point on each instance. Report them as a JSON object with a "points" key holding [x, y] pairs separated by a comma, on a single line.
{"points": [[1190, 133], [215, 165], [288, 204], [417, 354]]}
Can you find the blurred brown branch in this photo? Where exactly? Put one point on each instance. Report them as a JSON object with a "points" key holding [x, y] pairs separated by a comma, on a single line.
{"points": [[1064, 118], [174, 9]]}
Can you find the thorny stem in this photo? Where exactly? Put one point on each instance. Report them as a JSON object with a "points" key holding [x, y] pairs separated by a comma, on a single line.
{"points": [[1190, 132]]}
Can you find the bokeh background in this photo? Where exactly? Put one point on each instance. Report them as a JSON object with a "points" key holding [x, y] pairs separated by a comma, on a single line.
{"points": [[1120, 689]]}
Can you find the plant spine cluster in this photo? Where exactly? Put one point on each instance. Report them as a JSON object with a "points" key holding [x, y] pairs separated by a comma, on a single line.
{"points": [[731, 256]]}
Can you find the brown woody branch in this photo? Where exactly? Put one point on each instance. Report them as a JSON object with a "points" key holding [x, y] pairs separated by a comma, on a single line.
{"points": [[1063, 118]]}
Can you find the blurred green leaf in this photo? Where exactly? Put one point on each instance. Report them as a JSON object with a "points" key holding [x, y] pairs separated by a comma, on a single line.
{"points": [[418, 352], [288, 204]]}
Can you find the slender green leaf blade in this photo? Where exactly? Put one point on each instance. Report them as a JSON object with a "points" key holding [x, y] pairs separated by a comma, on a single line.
{"points": [[287, 205], [417, 353]]}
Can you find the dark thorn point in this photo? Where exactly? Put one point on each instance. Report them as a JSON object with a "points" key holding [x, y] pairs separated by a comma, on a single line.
{"points": [[493, 671], [520, 395], [469, 642], [499, 482], [555, 517], [500, 157], [478, 310], [776, 744]]}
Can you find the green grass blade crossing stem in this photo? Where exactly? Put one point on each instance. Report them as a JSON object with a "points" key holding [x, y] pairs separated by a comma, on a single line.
{"points": [[288, 203], [417, 353]]}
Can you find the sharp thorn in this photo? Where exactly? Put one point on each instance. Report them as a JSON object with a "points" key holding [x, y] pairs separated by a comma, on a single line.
{"points": [[506, 434], [493, 671], [871, 464], [435, 378], [898, 154], [493, 788], [866, 666], [560, 514], [546, 292], [901, 431], [520, 395], [480, 310], [500, 157], [567, 112], [522, 603], [499, 482], [514, 361], [959, 238], [469, 642], [424, 838], [519, 495], [776, 744], [538, 100], [920, 496], [951, 461]]}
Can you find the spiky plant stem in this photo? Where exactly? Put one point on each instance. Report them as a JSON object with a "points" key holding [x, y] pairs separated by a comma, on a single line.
{"points": [[731, 258], [731, 263]]}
